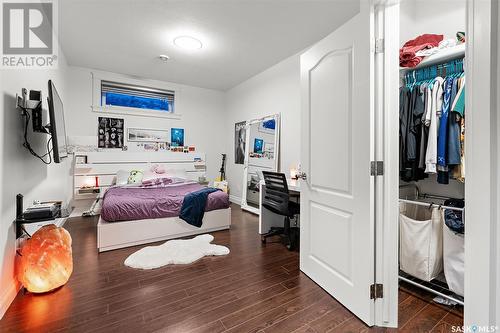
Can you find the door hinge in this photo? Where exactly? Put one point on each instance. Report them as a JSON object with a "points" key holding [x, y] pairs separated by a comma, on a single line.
{"points": [[377, 168], [379, 45], [376, 291]]}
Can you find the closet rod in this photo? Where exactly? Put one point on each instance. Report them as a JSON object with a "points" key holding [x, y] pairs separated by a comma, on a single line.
{"points": [[431, 204], [451, 298]]}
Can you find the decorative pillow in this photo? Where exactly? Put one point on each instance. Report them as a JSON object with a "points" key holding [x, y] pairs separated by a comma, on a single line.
{"points": [[122, 177], [158, 169], [135, 177], [150, 175], [157, 182]]}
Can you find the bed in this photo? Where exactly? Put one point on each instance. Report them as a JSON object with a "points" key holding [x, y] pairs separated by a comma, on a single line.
{"points": [[138, 215], [134, 215]]}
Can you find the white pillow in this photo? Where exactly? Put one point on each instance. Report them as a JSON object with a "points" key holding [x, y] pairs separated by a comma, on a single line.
{"points": [[122, 177], [177, 173]]}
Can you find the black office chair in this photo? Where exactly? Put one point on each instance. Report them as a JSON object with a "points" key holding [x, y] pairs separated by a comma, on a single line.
{"points": [[277, 200]]}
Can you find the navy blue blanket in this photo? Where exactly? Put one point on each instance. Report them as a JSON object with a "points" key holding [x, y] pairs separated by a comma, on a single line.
{"points": [[193, 206]]}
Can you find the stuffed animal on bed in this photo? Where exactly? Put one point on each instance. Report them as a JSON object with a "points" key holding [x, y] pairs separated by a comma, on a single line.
{"points": [[135, 177]]}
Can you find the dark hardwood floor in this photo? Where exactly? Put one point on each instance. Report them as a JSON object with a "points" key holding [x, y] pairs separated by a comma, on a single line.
{"points": [[255, 288]]}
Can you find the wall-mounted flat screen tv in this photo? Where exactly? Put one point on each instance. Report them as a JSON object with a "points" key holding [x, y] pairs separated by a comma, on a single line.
{"points": [[57, 127]]}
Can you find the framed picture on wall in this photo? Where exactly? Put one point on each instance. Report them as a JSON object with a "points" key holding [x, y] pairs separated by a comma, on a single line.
{"points": [[110, 132], [177, 137], [269, 147], [267, 126], [258, 146], [240, 135], [147, 135]]}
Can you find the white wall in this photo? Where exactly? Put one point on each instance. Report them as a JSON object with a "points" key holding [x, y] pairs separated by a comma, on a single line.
{"points": [[202, 115], [276, 90], [443, 17], [19, 171]]}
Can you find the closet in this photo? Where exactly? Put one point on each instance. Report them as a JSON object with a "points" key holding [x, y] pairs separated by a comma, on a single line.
{"points": [[432, 132]]}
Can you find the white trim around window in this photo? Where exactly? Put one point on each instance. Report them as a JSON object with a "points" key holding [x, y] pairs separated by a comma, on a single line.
{"points": [[119, 110]]}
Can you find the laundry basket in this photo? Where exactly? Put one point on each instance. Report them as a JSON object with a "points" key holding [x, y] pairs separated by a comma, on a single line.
{"points": [[454, 257], [420, 241]]}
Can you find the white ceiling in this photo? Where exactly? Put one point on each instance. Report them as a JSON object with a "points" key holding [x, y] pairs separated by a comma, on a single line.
{"points": [[241, 38]]}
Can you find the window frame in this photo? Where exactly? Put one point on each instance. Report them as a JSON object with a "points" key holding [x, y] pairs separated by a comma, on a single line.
{"points": [[130, 111]]}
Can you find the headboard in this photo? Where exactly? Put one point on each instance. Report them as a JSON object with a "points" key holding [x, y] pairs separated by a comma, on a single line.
{"points": [[95, 171]]}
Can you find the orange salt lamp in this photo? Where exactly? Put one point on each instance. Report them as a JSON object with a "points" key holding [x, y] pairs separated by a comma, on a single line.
{"points": [[46, 261]]}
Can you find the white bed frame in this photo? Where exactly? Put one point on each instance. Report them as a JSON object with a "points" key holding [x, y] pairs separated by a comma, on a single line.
{"points": [[115, 235]]}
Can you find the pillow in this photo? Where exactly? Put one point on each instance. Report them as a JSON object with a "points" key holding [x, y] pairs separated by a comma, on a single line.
{"points": [[158, 181], [150, 175], [177, 173], [122, 177], [158, 169], [135, 177]]}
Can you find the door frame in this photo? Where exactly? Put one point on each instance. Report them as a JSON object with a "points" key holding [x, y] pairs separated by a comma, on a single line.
{"points": [[387, 150], [482, 245], [481, 145]]}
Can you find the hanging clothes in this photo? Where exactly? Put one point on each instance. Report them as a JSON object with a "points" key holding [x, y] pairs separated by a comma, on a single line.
{"points": [[431, 131], [442, 163], [425, 88], [458, 109], [412, 106], [453, 149], [431, 120]]}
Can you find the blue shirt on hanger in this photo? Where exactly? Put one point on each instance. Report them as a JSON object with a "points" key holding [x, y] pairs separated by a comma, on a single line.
{"points": [[443, 124]]}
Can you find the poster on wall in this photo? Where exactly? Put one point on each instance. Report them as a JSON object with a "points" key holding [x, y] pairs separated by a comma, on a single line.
{"points": [[147, 135], [267, 126], [177, 137], [240, 134], [258, 146], [110, 132]]}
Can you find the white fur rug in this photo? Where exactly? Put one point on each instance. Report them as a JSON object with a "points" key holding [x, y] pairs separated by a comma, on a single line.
{"points": [[177, 251]]}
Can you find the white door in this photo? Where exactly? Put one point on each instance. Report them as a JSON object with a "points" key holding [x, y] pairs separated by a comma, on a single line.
{"points": [[337, 197]]}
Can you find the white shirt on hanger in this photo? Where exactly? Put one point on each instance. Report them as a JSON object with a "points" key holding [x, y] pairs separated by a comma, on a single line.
{"points": [[431, 120]]}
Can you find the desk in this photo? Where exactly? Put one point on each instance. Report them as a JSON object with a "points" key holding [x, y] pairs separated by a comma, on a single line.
{"points": [[268, 219]]}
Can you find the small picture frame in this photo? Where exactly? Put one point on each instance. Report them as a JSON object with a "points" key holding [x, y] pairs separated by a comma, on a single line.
{"points": [[147, 135], [81, 159]]}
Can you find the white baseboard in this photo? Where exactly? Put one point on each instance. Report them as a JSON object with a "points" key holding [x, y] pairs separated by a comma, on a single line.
{"points": [[8, 296], [234, 199]]}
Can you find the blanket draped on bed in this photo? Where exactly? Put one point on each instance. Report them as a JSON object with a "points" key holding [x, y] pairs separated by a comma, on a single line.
{"points": [[193, 206]]}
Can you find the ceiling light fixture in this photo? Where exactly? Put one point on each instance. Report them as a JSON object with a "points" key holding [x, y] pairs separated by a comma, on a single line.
{"points": [[163, 57], [188, 43]]}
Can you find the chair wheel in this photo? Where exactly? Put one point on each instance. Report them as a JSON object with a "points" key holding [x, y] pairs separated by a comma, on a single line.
{"points": [[289, 246], [263, 240]]}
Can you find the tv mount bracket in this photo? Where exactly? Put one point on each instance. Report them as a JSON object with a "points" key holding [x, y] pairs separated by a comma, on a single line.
{"points": [[33, 104]]}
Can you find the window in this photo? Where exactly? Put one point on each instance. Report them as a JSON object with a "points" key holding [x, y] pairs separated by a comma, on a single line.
{"points": [[116, 94]]}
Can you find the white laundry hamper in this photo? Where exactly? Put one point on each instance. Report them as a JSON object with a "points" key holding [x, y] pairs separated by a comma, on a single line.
{"points": [[454, 258], [420, 241]]}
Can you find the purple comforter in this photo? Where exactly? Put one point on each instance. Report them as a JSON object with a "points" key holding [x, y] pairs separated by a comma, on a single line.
{"points": [[138, 203]]}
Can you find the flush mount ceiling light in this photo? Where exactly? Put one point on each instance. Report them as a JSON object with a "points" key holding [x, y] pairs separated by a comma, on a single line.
{"points": [[188, 43], [163, 57]]}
